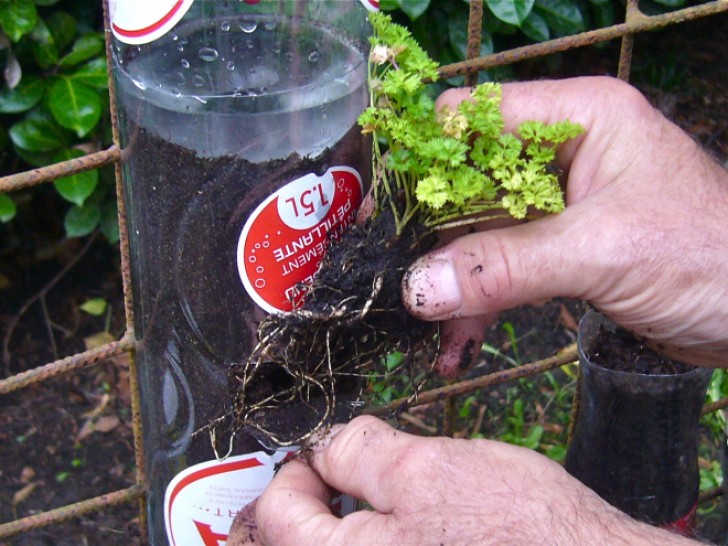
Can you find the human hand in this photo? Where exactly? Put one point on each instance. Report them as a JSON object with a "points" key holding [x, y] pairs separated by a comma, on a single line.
{"points": [[644, 237], [437, 491]]}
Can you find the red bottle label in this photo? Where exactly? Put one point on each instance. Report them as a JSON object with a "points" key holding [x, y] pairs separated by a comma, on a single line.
{"points": [[284, 239]]}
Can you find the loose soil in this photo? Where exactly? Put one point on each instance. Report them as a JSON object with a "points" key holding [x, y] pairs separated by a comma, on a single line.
{"points": [[622, 351], [683, 70]]}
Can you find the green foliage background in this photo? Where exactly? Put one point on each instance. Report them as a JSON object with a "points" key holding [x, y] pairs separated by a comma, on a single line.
{"points": [[54, 97], [54, 103]]}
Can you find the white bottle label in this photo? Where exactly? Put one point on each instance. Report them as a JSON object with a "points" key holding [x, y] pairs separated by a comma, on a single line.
{"points": [[201, 501], [371, 5], [143, 21], [284, 239]]}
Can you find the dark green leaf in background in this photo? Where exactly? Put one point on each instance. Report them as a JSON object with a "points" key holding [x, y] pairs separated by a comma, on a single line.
{"points": [[81, 221], [17, 17], [26, 95], [84, 48], [42, 45], [38, 135], [511, 11], [671, 3], [562, 16], [536, 28], [603, 15], [109, 223], [77, 187], [7, 208], [63, 28], [74, 105], [93, 74], [413, 8]]}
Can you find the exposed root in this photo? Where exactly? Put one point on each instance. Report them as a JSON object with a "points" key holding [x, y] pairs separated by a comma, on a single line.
{"points": [[311, 366]]}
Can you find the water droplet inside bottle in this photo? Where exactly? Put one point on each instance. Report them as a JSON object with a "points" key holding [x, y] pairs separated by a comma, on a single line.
{"points": [[208, 54], [248, 26], [314, 56], [180, 47], [198, 80], [174, 37], [225, 26], [181, 80], [176, 92], [250, 44], [230, 65], [270, 25], [184, 63]]}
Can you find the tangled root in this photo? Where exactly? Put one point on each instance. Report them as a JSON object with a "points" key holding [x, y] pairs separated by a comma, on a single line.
{"points": [[311, 366]]}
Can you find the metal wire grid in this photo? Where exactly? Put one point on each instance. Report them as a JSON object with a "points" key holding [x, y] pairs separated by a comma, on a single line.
{"points": [[635, 23]]}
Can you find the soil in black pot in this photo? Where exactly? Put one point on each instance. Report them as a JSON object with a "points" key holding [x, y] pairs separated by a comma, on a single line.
{"points": [[621, 350]]}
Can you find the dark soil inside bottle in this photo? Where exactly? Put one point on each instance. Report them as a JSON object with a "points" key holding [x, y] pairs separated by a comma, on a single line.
{"points": [[620, 350]]}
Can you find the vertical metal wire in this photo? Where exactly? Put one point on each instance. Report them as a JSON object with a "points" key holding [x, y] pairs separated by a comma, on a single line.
{"points": [[141, 478], [625, 53]]}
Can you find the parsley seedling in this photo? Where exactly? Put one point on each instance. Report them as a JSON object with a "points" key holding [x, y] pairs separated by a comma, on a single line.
{"points": [[436, 167]]}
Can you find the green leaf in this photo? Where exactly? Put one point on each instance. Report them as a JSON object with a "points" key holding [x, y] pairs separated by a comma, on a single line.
{"points": [[412, 8], [562, 16], [671, 3], [109, 223], [74, 106], [42, 46], [513, 12], [536, 28], [63, 28], [77, 187], [38, 135], [81, 221], [603, 15], [7, 208], [93, 74], [84, 48], [95, 306], [17, 18], [26, 95]]}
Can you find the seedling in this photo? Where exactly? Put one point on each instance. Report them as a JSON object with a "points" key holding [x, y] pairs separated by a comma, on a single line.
{"points": [[432, 169]]}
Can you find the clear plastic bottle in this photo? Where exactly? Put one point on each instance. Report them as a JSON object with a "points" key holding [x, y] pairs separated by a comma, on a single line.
{"points": [[239, 148]]}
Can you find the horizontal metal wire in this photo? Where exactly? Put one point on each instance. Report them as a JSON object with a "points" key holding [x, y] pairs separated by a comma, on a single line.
{"points": [[70, 511], [68, 364], [59, 170], [637, 22]]}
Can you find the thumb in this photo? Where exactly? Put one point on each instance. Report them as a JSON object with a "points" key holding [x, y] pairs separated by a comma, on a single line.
{"points": [[499, 269]]}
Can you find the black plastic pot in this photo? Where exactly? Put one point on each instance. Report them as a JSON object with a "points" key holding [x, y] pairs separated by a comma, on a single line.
{"points": [[635, 440]]}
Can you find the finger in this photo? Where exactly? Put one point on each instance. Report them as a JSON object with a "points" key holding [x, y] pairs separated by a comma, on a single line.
{"points": [[363, 459], [460, 344], [244, 530], [614, 132], [488, 272], [298, 497], [547, 101]]}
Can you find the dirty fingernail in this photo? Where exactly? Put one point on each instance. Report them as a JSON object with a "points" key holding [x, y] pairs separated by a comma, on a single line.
{"points": [[431, 288], [321, 439]]}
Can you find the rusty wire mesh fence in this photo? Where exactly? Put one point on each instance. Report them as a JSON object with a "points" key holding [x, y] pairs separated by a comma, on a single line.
{"points": [[635, 22]]}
